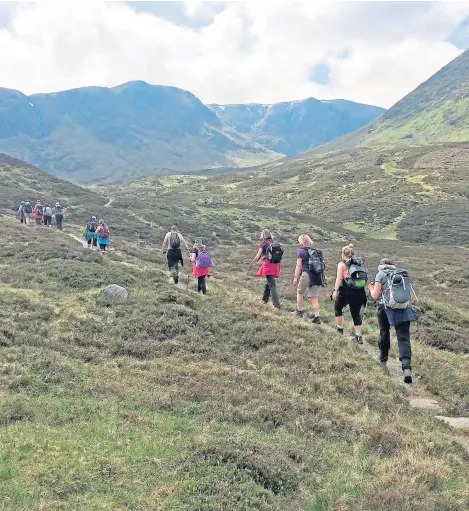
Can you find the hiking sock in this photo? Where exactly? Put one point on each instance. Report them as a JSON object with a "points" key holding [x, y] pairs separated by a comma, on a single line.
{"points": [[316, 314]]}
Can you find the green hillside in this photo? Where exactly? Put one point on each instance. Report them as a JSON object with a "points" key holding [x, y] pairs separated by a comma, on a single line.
{"points": [[174, 402], [436, 111], [417, 194]]}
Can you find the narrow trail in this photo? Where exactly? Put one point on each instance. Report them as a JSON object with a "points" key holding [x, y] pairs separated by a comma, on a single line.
{"points": [[108, 204], [418, 396], [79, 240]]}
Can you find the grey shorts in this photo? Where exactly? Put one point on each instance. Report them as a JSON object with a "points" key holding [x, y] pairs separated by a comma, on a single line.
{"points": [[303, 286]]}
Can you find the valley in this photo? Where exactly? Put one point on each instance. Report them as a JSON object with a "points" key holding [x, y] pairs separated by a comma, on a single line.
{"points": [[171, 401]]}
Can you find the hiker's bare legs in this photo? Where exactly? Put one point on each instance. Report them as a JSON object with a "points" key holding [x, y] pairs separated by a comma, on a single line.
{"points": [[315, 304]]}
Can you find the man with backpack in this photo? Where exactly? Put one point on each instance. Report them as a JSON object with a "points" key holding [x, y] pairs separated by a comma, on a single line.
{"points": [[47, 215], [28, 212], [309, 276], [58, 213], [39, 212], [172, 247], [393, 289]]}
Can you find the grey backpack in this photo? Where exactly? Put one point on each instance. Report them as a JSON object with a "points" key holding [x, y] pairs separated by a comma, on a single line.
{"points": [[399, 293]]}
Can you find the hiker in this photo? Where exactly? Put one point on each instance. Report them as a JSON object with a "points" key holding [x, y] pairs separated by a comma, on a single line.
{"points": [[349, 289], [47, 215], [102, 235], [38, 212], [201, 265], [393, 288], [21, 212], [172, 246], [90, 233], [28, 212], [59, 215], [271, 253], [309, 276]]}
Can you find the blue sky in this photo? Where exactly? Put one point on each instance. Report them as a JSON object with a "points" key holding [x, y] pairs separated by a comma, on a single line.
{"points": [[227, 52]]}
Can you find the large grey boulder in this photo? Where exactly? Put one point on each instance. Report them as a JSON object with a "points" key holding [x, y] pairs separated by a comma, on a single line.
{"points": [[115, 294]]}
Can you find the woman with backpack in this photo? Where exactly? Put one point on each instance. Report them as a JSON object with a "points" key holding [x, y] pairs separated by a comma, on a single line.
{"points": [[271, 254], [309, 275], [348, 290], [90, 233], [201, 266], [38, 211], [392, 287], [102, 235]]}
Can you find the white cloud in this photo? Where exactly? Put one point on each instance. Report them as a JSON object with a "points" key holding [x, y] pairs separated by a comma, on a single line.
{"points": [[248, 51]]}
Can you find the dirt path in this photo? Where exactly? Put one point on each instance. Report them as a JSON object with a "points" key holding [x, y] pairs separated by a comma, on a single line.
{"points": [[110, 201], [78, 239], [419, 397]]}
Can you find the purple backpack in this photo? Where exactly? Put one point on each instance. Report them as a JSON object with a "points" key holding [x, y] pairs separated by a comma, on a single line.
{"points": [[204, 259]]}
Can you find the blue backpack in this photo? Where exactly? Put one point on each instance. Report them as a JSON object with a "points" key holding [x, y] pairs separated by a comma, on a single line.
{"points": [[27, 208]]}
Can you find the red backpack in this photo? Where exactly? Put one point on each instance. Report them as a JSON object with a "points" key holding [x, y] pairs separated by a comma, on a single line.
{"points": [[103, 231]]}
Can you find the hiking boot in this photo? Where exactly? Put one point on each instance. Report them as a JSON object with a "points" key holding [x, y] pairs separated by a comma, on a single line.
{"points": [[383, 363], [340, 331], [176, 279], [298, 313], [407, 376], [359, 339], [316, 320]]}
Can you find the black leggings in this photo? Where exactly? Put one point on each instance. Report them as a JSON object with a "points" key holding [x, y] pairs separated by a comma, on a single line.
{"points": [[201, 287], [355, 298], [47, 220]]}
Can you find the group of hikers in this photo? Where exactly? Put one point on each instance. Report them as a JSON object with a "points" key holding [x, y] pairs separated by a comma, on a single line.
{"points": [[96, 234], [392, 287], [41, 214], [199, 256]]}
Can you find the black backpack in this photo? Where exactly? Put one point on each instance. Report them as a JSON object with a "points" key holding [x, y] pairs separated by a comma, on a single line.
{"points": [[274, 252], [316, 261], [174, 241], [91, 226], [358, 274]]}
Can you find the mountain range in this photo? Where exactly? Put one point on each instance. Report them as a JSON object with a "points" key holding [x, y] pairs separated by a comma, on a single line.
{"points": [[294, 127], [99, 134]]}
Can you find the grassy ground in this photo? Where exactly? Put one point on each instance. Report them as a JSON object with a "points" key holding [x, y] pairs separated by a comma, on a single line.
{"points": [[416, 194], [173, 402]]}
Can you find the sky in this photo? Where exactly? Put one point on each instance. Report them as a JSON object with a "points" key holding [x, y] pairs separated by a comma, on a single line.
{"points": [[262, 51]]}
